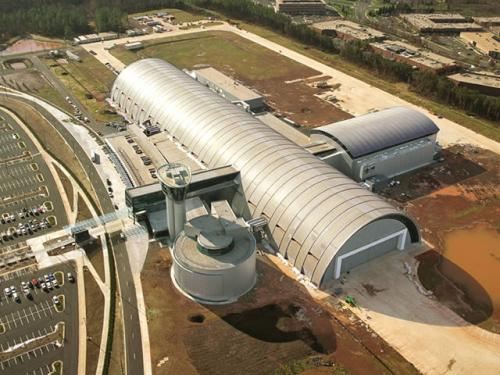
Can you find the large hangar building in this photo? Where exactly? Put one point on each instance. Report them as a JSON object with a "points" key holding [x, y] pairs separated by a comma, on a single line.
{"points": [[323, 222], [383, 144]]}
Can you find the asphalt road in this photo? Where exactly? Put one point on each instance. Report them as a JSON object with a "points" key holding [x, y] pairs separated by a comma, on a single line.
{"points": [[132, 331], [133, 342]]}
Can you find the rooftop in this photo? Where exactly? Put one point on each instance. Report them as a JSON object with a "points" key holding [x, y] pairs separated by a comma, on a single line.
{"points": [[485, 41], [351, 28], [416, 54], [213, 233], [487, 21], [226, 83], [378, 131], [440, 22], [477, 78]]}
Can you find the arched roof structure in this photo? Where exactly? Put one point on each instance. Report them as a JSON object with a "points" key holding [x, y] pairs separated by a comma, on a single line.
{"points": [[316, 207], [378, 131]]}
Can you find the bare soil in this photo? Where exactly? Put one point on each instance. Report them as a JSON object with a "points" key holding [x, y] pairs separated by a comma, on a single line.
{"points": [[29, 46], [94, 303], [297, 101], [26, 81], [276, 328], [457, 194]]}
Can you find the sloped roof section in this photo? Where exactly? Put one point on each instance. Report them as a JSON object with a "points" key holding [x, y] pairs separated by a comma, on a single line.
{"points": [[378, 131]]}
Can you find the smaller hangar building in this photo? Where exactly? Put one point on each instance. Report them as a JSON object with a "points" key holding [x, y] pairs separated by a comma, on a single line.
{"points": [[383, 144]]}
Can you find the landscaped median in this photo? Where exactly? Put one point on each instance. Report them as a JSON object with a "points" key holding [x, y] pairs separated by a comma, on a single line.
{"points": [[57, 368], [60, 306], [59, 275]]}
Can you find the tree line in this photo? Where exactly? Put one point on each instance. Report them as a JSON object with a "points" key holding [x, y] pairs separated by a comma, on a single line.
{"points": [[67, 18], [427, 84]]}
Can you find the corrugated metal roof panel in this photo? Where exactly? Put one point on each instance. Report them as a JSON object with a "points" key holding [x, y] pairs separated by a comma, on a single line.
{"points": [[378, 131]]}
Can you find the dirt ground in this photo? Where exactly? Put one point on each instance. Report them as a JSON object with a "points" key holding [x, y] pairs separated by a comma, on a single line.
{"points": [[26, 81], [29, 45], [276, 328], [282, 81], [94, 301], [454, 195]]}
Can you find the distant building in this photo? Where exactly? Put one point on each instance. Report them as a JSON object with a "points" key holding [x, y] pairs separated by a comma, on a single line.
{"points": [[486, 42], [348, 30], [485, 82], [136, 32], [300, 7], [134, 46], [415, 56], [93, 38], [108, 36], [440, 23], [382, 144], [230, 89], [158, 29], [487, 21]]}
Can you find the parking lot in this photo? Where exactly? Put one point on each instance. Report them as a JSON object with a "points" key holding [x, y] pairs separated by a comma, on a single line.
{"points": [[29, 200], [31, 318]]}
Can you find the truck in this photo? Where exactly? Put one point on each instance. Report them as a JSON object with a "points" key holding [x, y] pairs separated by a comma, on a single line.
{"points": [[95, 157]]}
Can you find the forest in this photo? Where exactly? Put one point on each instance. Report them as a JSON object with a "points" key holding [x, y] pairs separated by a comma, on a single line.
{"points": [[66, 18]]}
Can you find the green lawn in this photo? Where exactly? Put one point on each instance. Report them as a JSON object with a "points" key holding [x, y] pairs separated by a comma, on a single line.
{"points": [[222, 50], [89, 81]]}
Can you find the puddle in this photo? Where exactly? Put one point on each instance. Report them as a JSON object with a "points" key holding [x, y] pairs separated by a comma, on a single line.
{"points": [[471, 259]]}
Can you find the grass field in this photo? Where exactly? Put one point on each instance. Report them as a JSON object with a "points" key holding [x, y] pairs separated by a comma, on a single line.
{"points": [[89, 81], [276, 77], [221, 50]]}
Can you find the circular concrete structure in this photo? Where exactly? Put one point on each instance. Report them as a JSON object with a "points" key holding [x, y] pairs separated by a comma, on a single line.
{"points": [[214, 260]]}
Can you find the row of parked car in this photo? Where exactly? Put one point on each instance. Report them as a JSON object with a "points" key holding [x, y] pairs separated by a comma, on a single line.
{"points": [[46, 283], [146, 160], [23, 229], [77, 112], [9, 217]]}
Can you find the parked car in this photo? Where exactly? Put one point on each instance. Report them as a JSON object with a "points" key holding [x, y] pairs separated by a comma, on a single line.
{"points": [[56, 301]]}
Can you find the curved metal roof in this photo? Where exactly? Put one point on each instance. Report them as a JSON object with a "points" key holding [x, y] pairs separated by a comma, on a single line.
{"points": [[378, 131], [314, 206]]}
